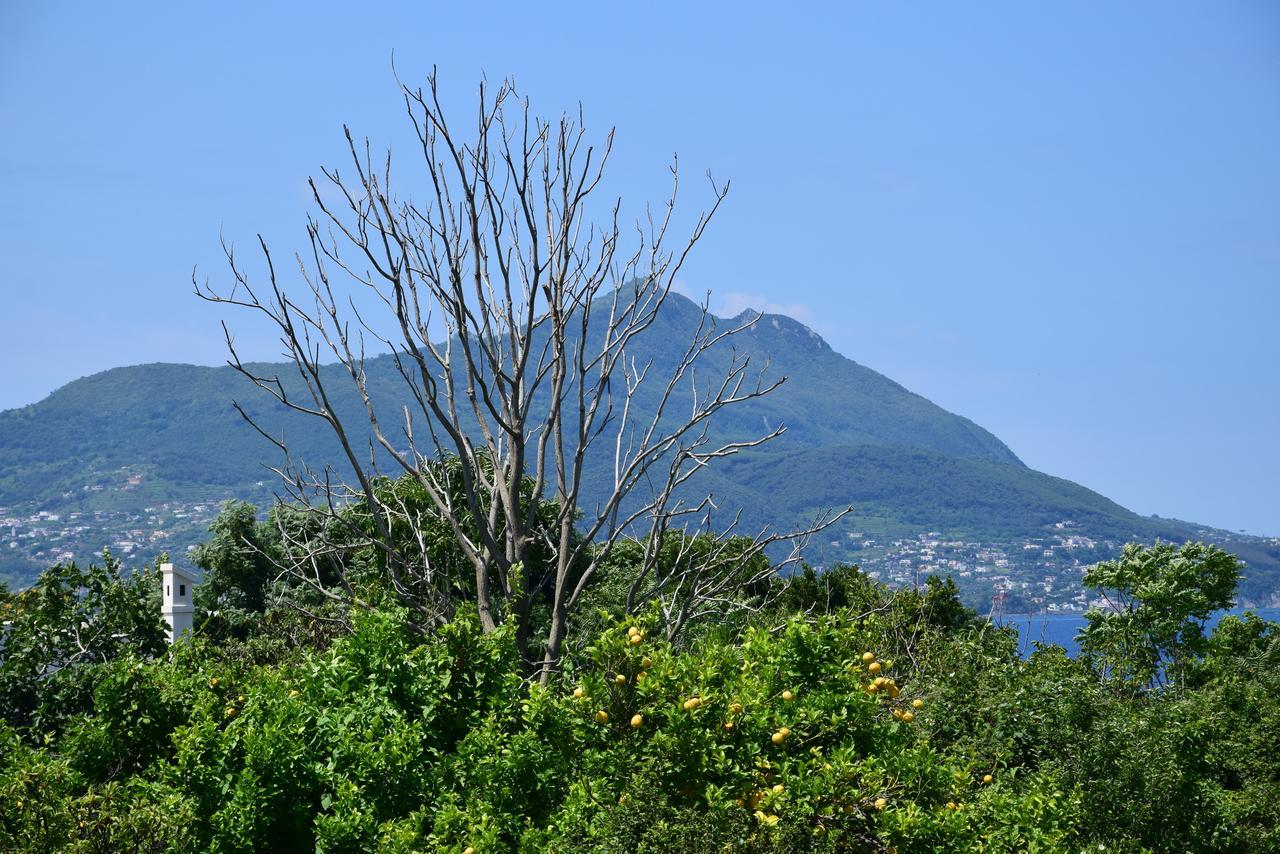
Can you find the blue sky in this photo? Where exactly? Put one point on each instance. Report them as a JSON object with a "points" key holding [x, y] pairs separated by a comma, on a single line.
{"points": [[1060, 220]]}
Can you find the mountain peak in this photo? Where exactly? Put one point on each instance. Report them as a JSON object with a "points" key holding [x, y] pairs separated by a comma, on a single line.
{"points": [[780, 325]]}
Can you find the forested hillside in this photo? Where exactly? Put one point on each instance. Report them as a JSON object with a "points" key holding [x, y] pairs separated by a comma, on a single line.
{"points": [[180, 419], [127, 439]]}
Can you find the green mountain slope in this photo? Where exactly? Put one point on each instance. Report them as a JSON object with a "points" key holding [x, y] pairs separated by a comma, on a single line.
{"points": [[898, 491], [145, 448], [179, 419]]}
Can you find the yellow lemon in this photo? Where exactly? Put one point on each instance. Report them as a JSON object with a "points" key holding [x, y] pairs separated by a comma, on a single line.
{"points": [[646, 662], [908, 717], [873, 667], [602, 717], [917, 704], [578, 693], [778, 737], [635, 639], [788, 696], [632, 632], [987, 778], [620, 679], [777, 788], [735, 709], [868, 657], [636, 721], [880, 803]]}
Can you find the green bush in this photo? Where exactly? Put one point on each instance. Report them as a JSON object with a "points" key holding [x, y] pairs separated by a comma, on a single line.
{"points": [[763, 736]]}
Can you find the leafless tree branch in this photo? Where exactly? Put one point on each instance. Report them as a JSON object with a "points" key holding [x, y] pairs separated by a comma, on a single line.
{"points": [[512, 318]]}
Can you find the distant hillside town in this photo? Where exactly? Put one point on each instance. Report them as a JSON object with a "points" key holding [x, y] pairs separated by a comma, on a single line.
{"points": [[1025, 575]]}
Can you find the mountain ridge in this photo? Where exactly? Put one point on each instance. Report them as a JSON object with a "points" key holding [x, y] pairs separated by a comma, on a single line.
{"points": [[146, 436]]}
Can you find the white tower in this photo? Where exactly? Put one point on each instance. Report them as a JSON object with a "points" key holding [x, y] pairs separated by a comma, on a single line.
{"points": [[177, 608]]}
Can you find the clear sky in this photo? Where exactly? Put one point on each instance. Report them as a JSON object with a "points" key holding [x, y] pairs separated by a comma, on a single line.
{"points": [[1060, 220]]}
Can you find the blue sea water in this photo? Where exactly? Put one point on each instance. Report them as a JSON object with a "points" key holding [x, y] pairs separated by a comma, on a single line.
{"points": [[1061, 629]]}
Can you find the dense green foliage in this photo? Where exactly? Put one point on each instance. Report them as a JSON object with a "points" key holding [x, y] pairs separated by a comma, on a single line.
{"points": [[1160, 598], [237, 561], [55, 634], [841, 717]]}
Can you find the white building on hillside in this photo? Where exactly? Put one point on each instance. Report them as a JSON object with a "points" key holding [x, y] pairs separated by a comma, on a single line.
{"points": [[176, 604]]}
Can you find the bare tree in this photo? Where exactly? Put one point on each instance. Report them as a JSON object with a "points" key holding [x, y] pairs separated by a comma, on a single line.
{"points": [[512, 320]]}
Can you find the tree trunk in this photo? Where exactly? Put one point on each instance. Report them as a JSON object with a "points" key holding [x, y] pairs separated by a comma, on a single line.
{"points": [[555, 642]]}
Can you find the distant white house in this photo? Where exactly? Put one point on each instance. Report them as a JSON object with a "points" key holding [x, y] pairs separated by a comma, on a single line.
{"points": [[176, 605]]}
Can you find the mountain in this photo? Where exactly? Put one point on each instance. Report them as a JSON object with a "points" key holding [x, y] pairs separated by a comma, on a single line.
{"points": [[139, 457]]}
